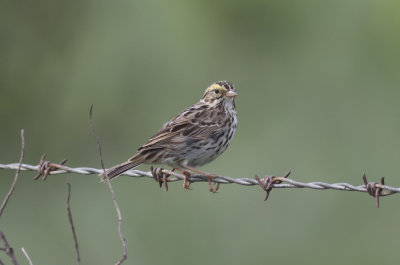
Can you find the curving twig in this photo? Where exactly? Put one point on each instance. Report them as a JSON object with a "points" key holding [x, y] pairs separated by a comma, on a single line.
{"points": [[114, 198], [8, 249], [27, 256], [12, 188], [71, 222]]}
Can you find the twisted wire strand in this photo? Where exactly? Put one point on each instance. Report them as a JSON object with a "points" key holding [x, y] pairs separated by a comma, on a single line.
{"points": [[288, 183]]}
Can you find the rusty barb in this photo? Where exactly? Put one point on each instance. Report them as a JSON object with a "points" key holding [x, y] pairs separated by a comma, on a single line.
{"points": [[375, 189], [160, 176], [267, 183], [45, 167]]}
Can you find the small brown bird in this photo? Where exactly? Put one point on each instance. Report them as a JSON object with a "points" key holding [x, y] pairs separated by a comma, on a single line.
{"points": [[195, 137]]}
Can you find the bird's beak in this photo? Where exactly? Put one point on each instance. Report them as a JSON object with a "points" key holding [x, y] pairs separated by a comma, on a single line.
{"points": [[231, 94]]}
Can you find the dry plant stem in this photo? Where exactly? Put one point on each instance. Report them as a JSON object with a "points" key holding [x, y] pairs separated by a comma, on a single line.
{"points": [[9, 250], [27, 256], [114, 199], [12, 188], [71, 222]]}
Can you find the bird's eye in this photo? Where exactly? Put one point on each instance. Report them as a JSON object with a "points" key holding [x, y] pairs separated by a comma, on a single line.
{"points": [[216, 91]]}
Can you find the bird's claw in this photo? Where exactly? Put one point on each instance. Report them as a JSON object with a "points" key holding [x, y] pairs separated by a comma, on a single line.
{"points": [[186, 182], [210, 185]]}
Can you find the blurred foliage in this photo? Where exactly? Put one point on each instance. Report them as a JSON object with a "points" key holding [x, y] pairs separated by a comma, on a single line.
{"points": [[318, 85]]}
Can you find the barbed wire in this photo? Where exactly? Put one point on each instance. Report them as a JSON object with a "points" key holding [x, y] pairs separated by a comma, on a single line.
{"points": [[267, 183]]}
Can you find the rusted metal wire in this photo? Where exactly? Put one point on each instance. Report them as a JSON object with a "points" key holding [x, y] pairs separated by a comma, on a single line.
{"points": [[267, 183], [45, 167]]}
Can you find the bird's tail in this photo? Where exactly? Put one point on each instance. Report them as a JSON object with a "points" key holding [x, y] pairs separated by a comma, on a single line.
{"points": [[121, 168]]}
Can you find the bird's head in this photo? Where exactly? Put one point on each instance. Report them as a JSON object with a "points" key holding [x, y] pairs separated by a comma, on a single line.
{"points": [[218, 92]]}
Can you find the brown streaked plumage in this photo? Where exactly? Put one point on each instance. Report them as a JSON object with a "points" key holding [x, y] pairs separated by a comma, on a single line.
{"points": [[195, 137]]}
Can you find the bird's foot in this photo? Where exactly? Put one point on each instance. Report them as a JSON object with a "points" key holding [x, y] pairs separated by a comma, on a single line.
{"points": [[160, 177], [209, 177], [186, 182], [210, 184]]}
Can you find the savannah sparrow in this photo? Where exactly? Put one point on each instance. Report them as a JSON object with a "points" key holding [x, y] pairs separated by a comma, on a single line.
{"points": [[195, 137]]}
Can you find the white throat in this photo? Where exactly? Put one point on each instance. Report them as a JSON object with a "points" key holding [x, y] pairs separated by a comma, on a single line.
{"points": [[229, 105]]}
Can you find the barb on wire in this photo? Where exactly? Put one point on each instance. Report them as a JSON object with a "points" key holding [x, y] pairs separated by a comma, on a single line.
{"points": [[45, 167], [12, 188], [160, 176], [71, 222], [267, 183], [375, 189], [114, 197]]}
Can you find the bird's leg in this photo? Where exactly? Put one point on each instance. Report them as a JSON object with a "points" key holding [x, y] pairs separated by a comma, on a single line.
{"points": [[186, 182], [207, 175]]}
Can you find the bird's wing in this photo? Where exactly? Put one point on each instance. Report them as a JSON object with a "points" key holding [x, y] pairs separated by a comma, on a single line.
{"points": [[194, 122]]}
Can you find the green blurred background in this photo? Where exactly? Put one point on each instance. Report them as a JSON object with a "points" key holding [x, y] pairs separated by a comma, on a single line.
{"points": [[318, 85]]}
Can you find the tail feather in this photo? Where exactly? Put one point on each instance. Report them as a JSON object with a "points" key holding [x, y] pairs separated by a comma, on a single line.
{"points": [[121, 168]]}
